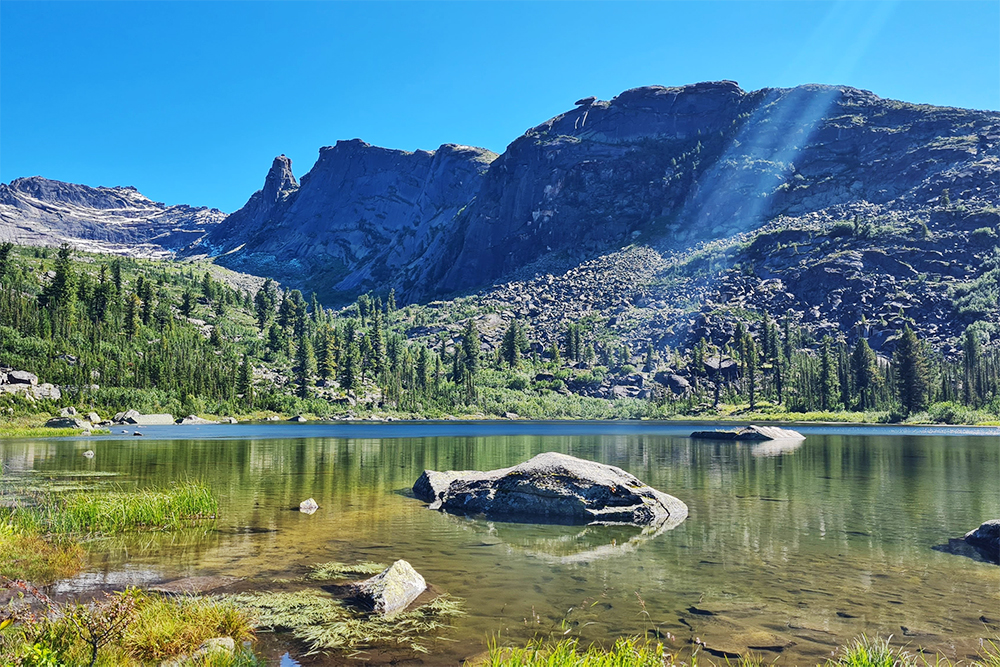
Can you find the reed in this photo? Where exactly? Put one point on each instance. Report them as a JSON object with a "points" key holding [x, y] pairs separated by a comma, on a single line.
{"points": [[111, 512]]}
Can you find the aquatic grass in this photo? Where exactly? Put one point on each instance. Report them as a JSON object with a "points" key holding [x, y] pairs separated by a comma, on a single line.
{"points": [[626, 652], [24, 554], [337, 570], [112, 512], [324, 624], [989, 652]]}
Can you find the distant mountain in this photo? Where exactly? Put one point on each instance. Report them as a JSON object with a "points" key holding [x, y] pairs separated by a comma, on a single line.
{"points": [[664, 167], [39, 211]]}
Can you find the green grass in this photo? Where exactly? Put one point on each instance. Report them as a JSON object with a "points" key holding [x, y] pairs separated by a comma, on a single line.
{"points": [[626, 652], [151, 630], [117, 511]]}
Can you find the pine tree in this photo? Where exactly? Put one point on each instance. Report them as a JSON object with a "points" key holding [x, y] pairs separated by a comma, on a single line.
{"points": [[132, 308], [513, 344], [913, 374], [244, 382], [827, 376], [864, 367], [305, 366], [972, 375], [752, 361]]}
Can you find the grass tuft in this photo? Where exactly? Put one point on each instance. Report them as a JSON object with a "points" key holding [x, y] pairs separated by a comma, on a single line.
{"points": [[626, 652]]}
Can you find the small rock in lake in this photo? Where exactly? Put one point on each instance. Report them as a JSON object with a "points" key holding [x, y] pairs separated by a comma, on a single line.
{"points": [[392, 590], [137, 433], [308, 506], [89, 454]]}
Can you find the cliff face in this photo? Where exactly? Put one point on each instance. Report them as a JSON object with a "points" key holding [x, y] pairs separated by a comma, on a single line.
{"points": [[39, 211], [360, 216], [669, 167], [674, 166]]}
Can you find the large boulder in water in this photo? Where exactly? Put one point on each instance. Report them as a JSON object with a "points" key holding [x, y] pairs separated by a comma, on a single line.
{"points": [[551, 487], [986, 539], [392, 590]]}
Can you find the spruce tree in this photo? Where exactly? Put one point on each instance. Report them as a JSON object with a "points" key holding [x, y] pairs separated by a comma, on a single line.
{"points": [[827, 375], [913, 376], [864, 367], [244, 382]]}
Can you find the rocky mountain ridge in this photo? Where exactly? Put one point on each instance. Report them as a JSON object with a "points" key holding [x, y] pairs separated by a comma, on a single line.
{"points": [[668, 167], [120, 220]]}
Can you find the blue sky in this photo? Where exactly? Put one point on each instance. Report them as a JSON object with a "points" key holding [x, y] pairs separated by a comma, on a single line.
{"points": [[190, 101]]}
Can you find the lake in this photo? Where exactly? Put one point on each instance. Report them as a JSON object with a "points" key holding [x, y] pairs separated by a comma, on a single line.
{"points": [[791, 550]]}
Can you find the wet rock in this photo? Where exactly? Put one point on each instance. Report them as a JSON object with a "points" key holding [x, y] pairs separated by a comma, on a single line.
{"points": [[749, 434], [89, 454], [298, 419], [551, 487], [392, 590], [986, 539]]}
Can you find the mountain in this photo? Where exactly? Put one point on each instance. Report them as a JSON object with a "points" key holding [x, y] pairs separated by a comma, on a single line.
{"points": [[666, 167], [358, 219], [39, 211]]}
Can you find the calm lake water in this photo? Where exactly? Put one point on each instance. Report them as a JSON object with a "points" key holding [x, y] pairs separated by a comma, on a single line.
{"points": [[792, 550]]}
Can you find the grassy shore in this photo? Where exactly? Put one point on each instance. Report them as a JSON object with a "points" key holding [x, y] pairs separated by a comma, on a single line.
{"points": [[634, 652]]}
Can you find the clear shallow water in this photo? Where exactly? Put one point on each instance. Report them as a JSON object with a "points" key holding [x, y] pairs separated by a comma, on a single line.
{"points": [[800, 548]]}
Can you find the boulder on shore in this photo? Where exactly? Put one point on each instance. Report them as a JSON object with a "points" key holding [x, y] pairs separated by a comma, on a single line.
{"points": [[135, 417], [392, 590], [986, 539], [67, 422], [551, 487]]}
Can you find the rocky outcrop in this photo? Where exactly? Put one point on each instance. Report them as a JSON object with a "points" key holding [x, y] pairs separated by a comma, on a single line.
{"points": [[359, 218], [39, 211], [26, 385], [551, 487], [390, 591], [135, 417], [986, 540]]}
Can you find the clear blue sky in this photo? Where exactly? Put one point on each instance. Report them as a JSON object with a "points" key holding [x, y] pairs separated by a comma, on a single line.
{"points": [[190, 102]]}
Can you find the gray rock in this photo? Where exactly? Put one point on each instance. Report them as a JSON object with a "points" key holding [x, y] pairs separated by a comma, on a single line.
{"points": [[89, 454], [986, 539], [308, 506], [93, 417], [133, 417], [749, 434], [224, 645], [298, 419], [551, 487], [22, 377], [195, 419], [67, 422], [67, 412], [392, 590]]}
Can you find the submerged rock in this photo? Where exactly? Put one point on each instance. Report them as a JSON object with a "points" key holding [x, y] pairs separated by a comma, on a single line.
{"points": [[392, 590], [551, 487], [986, 539]]}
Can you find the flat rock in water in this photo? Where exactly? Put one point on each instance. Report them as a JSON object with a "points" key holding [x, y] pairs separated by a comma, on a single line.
{"points": [[986, 539], [195, 419], [193, 585], [749, 434], [392, 590], [67, 422], [551, 487]]}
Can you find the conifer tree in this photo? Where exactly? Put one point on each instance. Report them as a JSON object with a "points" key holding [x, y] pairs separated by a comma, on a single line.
{"points": [[244, 382], [913, 375], [305, 366], [864, 367], [827, 375]]}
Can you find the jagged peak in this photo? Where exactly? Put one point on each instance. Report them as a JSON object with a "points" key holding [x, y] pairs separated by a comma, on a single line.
{"points": [[280, 178]]}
